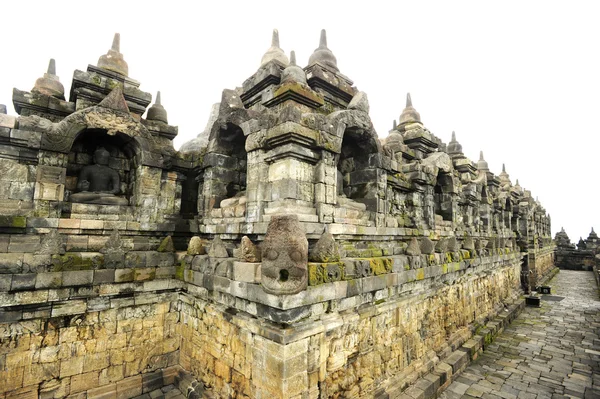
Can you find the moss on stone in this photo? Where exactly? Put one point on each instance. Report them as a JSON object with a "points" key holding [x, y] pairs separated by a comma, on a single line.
{"points": [[71, 262], [179, 271]]}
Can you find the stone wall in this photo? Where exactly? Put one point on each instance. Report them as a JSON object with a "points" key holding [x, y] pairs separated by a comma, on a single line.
{"points": [[401, 331], [62, 355]]}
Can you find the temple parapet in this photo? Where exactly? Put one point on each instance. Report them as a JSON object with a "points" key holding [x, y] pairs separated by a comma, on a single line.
{"points": [[287, 249]]}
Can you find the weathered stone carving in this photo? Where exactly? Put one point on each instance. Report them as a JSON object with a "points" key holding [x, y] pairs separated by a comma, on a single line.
{"points": [[52, 243], [218, 249], [248, 252], [325, 250], [284, 256], [196, 246]]}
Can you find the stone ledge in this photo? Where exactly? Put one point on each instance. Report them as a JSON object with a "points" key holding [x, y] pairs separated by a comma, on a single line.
{"points": [[432, 384]]}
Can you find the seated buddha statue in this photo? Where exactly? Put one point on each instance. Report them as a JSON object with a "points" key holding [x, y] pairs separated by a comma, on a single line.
{"points": [[99, 183]]}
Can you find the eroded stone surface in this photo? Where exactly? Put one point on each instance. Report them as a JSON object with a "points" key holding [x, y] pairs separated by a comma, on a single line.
{"points": [[284, 256]]}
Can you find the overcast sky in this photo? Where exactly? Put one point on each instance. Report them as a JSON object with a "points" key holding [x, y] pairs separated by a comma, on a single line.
{"points": [[519, 80]]}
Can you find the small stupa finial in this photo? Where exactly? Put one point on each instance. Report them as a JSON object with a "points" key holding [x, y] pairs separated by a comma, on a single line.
{"points": [[408, 100], [52, 67], [49, 84], [453, 136], [518, 182], [323, 40], [275, 53], [503, 168], [116, 44], [157, 112], [293, 73], [394, 125], [113, 60], [481, 156]]}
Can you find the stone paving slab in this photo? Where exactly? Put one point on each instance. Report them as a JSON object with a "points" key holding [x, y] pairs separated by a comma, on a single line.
{"points": [[549, 352]]}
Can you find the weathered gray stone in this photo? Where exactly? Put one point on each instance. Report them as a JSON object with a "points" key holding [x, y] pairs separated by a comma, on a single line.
{"points": [[427, 247], [468, 244], [217, 249], [325, 250], [413, 248], [441, 246]]}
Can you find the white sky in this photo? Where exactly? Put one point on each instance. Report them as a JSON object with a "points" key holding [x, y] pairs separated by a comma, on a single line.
{"points": [[519, 80]]}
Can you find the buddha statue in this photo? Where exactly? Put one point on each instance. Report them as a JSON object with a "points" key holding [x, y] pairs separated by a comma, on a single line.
{"points": [[99, 183]]}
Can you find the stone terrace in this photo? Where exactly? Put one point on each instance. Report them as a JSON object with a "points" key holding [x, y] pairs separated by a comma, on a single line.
{"points": [[547, 352]]}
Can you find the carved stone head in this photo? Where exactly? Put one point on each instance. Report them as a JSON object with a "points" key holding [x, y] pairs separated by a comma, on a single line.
{"points": [[101, 156], [284, 256]]}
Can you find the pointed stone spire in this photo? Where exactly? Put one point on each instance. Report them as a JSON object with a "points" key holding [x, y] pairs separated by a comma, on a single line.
{"points": [[51, 67], [394, 125], [323, 55], [454, 147], [292, 58], [409, 114], [116, 44], [113, 59], [275, 53], [503, 168], [482, 164], [115, 100], [157, 112], [49, 84]]}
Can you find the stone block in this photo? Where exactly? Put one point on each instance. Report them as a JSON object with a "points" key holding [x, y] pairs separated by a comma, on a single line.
{"points": [[103, 392], [92, 224], [24, 243], [83, 382], [5, 281], [105, 276], [49, 280], [124, 275], [21, 282], [80, 277], [129, 387], [245, 271], [71, 366], [458, 360]]}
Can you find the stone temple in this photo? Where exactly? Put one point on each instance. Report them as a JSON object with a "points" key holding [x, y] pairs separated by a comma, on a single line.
{"points": [[286, 252]]}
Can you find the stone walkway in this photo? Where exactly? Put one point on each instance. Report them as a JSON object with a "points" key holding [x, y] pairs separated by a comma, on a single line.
{"points": [[547, 352]]}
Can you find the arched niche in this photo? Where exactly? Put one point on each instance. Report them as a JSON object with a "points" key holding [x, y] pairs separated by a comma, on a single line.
{"points": [[123, 151], [226, 166], [356, 175], [442, 191]]}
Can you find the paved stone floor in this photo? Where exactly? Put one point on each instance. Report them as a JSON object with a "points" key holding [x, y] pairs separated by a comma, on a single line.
{"points": [[547, 352]]}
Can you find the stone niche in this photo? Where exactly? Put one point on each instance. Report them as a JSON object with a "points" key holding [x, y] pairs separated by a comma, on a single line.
{"points": [[225, 165], [122, 159], [356, 180]]}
